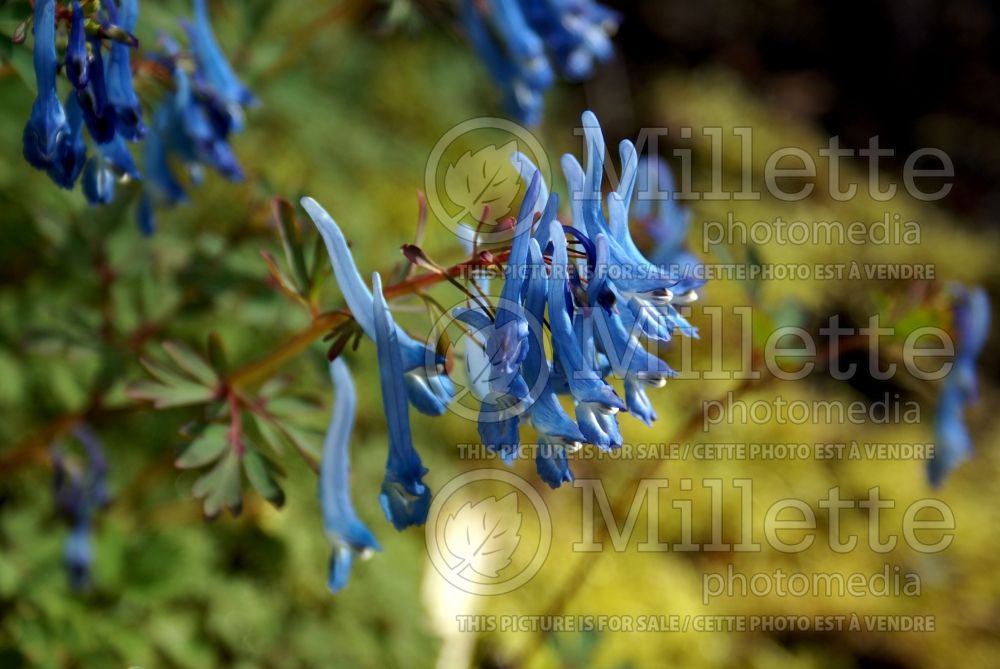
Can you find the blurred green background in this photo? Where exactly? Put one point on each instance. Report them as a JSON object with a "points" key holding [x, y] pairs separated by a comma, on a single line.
{"points": [[350, 111]]}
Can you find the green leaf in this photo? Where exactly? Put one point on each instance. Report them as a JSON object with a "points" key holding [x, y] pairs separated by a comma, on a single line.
{"points": [[164, 397], [270, 433], [205, 448], [221, 487], [261, 474], [191, 362]]}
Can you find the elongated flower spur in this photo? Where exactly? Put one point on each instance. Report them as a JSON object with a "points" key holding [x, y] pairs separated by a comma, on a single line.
{"points": [[349, 537], [960, 388], [519, 40], [80, 491]]}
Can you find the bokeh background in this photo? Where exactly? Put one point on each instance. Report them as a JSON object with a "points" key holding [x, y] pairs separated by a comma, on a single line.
{"points": [[354, 97]]}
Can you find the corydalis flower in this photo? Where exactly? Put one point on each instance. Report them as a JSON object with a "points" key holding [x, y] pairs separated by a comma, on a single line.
{"points": [[349, 536], [426, 382], [79, 494], [517, 38], [193, 123], [102, 100], [971, 317], [404, 497], [121, 91], [507, 344], [214, 73], [45, 135]]}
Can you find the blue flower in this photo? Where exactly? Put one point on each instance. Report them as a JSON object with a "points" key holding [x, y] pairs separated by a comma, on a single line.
{"points": [[98, 113], [507, 344], [514, 39], [121, 92], [349, 537], [557, 432], [666, 222], [213, 69], [46, 128], [77, 59], [404, 497], [98, 181], [194, 122], [79, 493], [428, 386], [72, 151], [573, 345], [971, 317]]}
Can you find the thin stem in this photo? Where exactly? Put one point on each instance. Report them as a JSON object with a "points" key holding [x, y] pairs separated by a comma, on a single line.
{"points": [[261, 369]]}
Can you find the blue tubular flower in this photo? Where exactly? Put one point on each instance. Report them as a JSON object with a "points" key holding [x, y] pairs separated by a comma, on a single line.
{"points": [[98, 113], [47, 124], [77, 59], [952, 440], [119, 158], [196, 139], [507, 342], [513, 36], [78, 556], [349, 536], [517, 62], [557, 432], [404, 497], [551, 464], [213, 68], [160, 179], [427, 385], [121, 92], [98, 182], [79, 494], [578, 32], [626, 354], [511, 327], [971, 316], [72, 150], [574, 357], [667, 223]]}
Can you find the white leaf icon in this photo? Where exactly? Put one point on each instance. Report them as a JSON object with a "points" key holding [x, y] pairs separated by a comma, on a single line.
{"points": [[485, 535], [484, 178]]}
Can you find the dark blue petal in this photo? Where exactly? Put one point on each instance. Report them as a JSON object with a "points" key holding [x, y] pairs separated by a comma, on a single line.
{"points": [[71, 152], [404, 498], [98, 182], [212, 64], [952, 441], [77, 59], [345, 531], [47, 122], [121, 91], [98, 113], [550, 461]]}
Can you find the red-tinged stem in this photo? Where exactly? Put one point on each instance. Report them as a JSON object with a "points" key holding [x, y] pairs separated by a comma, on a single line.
{"points": [[260, 369]]}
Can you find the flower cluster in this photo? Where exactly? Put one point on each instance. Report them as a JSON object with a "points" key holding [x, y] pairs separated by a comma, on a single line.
{"points": [[192, 122], [608, 311], [971, 318], [102, 97], [79, 493], [517, 40]]}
